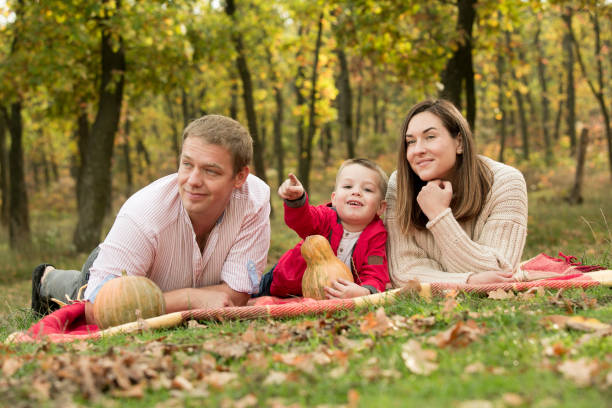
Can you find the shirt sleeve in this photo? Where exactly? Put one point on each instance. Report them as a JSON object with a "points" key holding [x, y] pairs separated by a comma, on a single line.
{"points": [[375, 272], [126, 247], [407, 260], [499, 246], [247, 259], [306, 219]]}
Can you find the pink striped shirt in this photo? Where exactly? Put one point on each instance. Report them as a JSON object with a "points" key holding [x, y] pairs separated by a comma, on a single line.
{"points": [[153, 236]]}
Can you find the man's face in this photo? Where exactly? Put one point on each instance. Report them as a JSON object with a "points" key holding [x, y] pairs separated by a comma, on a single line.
{"points": [[206, 179]]}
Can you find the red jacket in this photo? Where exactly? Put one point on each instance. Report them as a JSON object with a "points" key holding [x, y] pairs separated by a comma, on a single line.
{"points": [[369, 254]]}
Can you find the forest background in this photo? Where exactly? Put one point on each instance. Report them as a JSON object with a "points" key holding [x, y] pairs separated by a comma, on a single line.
{"points": [[94, 96]]}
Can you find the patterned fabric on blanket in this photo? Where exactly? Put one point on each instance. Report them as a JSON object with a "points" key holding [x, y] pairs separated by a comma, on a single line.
{"points": [[68, 323]]}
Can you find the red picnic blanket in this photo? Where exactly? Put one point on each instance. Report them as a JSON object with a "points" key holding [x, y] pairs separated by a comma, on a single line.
{"points": [[68, 323]]}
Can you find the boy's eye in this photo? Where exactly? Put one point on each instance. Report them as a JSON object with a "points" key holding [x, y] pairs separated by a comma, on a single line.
{"points": [[346, 186], [369, 190]]}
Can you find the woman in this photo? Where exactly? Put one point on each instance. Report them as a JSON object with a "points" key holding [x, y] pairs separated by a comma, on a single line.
{"points": [[452, 216]]}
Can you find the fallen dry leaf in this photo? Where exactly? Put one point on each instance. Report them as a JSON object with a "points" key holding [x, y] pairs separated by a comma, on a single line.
{"points": [[449, 306], [585, 324], [10, 366], [475, 404], [376, 323], [275, 377], [512, 399], [418, 360], [476, 367], [556, 322], [353, 398], [219, 379], [581, 371], [500, 294], [459, 335], [597, 334]]}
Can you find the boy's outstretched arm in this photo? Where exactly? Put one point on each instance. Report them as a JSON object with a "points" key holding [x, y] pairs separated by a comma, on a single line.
{"points": [[291, 189]]}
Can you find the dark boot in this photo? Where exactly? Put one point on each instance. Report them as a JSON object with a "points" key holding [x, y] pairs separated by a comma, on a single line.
{"points": [[40, 306]]}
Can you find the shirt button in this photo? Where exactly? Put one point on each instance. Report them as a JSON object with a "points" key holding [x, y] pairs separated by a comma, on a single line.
{"points": [[340, 249]]}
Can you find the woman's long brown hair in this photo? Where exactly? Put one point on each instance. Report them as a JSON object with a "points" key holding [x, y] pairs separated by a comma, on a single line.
{"points": [[471, 178]]}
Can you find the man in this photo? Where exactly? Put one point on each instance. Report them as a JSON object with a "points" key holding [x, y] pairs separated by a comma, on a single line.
{"points": [[202, 234]]}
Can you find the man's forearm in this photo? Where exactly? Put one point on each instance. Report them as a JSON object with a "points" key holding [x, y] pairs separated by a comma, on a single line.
{"points": [[204, 298]]}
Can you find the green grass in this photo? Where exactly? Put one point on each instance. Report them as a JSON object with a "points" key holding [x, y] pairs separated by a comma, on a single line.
{"points": [[328, 360]]}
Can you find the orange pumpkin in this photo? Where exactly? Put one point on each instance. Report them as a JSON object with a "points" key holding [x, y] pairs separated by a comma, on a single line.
{"points": [[126, 299], [323, 267]]}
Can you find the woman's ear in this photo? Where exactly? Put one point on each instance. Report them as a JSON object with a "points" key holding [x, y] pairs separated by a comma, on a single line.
{"points": [[459, 140]]}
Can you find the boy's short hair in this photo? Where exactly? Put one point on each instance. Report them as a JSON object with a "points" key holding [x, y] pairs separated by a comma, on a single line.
{"points": [[383, 180], [226, 132]]}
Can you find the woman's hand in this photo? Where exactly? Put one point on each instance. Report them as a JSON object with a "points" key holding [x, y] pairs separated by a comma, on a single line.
{"points": [[490, 277], [343, 289], [435, 197], [291, 189]]}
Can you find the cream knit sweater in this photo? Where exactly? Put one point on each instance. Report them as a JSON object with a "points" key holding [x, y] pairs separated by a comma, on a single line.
{"points": [[449, 251]]}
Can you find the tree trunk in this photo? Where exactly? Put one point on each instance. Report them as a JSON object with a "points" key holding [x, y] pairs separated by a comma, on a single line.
{"points": [[234, 100], [4, 175], [345, 103], [569, 69], [459, 71], [599, 91], [326, 143], [559, 110], [575, 196], [96, 173], [279, 150], [502, 111], [520, 106], [544, 96], [176, 133], [129, 179], [247, 94], [19, 217], [358, 112], [305, 162]]}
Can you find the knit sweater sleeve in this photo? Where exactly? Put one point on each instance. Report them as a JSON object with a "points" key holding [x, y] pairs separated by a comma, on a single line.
{"points": [[500, 244], [407, 260]]}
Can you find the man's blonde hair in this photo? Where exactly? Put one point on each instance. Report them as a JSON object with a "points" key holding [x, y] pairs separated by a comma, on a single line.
{"points": [[383, 180], [226, 132]]}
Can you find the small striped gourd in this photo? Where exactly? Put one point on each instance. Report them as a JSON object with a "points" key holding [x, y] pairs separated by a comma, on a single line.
{"points": [[126, 299], [323, 267]]}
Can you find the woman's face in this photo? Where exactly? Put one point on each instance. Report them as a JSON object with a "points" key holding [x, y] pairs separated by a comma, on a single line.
{"points": [[431, 151]]}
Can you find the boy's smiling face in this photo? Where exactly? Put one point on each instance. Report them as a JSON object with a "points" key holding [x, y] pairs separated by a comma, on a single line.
{"points": [[357, 197]]}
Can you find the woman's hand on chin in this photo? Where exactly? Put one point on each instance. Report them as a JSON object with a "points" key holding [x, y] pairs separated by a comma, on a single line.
{"points": [[490, 277], [435, 197]]}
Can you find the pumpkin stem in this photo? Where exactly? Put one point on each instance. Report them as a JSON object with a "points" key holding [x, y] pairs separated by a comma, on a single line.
{"points": [[124, 273]]}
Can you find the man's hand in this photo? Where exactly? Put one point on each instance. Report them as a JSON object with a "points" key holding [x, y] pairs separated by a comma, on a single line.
{"points": [[490, 277], [204, 298], [435, 197], [291, 189], [343, 289]]}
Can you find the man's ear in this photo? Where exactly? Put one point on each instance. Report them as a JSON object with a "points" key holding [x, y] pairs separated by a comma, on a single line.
{"points": [[382, 207], [241, 176]]}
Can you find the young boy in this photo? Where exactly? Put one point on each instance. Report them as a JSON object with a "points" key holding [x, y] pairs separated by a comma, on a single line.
{"points": [[351, 224]]}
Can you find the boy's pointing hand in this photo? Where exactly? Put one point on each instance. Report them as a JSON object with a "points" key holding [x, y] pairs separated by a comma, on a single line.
{"points": [[291, 189]]}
